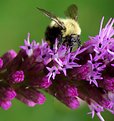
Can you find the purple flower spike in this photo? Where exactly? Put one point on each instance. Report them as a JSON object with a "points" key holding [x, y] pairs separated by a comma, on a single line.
{"points": [[86, 73], [18, 77]]}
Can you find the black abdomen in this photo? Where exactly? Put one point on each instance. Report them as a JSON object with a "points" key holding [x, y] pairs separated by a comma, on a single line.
{"points": [[52, 33]]}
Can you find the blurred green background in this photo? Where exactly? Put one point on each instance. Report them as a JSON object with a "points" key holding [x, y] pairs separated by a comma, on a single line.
{"points": [[17, 18]]}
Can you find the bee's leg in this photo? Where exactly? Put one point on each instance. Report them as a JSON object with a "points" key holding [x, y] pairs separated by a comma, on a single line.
{"points": [[78, 40], [51, 46], [71, 48], [74, 42], [59, 39]]}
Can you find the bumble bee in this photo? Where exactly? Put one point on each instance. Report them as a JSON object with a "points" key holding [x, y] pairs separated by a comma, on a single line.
{"points": [[66, 31]]}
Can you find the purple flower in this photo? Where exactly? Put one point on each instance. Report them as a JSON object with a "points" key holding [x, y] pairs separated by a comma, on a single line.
{"points": [[25, 100], [52, 72], [41, 82], [66, 92], [5, 104], [71, 102], [96, 68], [43, 53], [68, 63], [7, 58], [32, 95], [58, 53], [7, 93], [29, 47], [95, 108], [17, 77]]}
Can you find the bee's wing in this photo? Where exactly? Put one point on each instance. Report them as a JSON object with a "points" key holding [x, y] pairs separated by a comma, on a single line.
{"points": [[52, 17], [72, 12]]}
